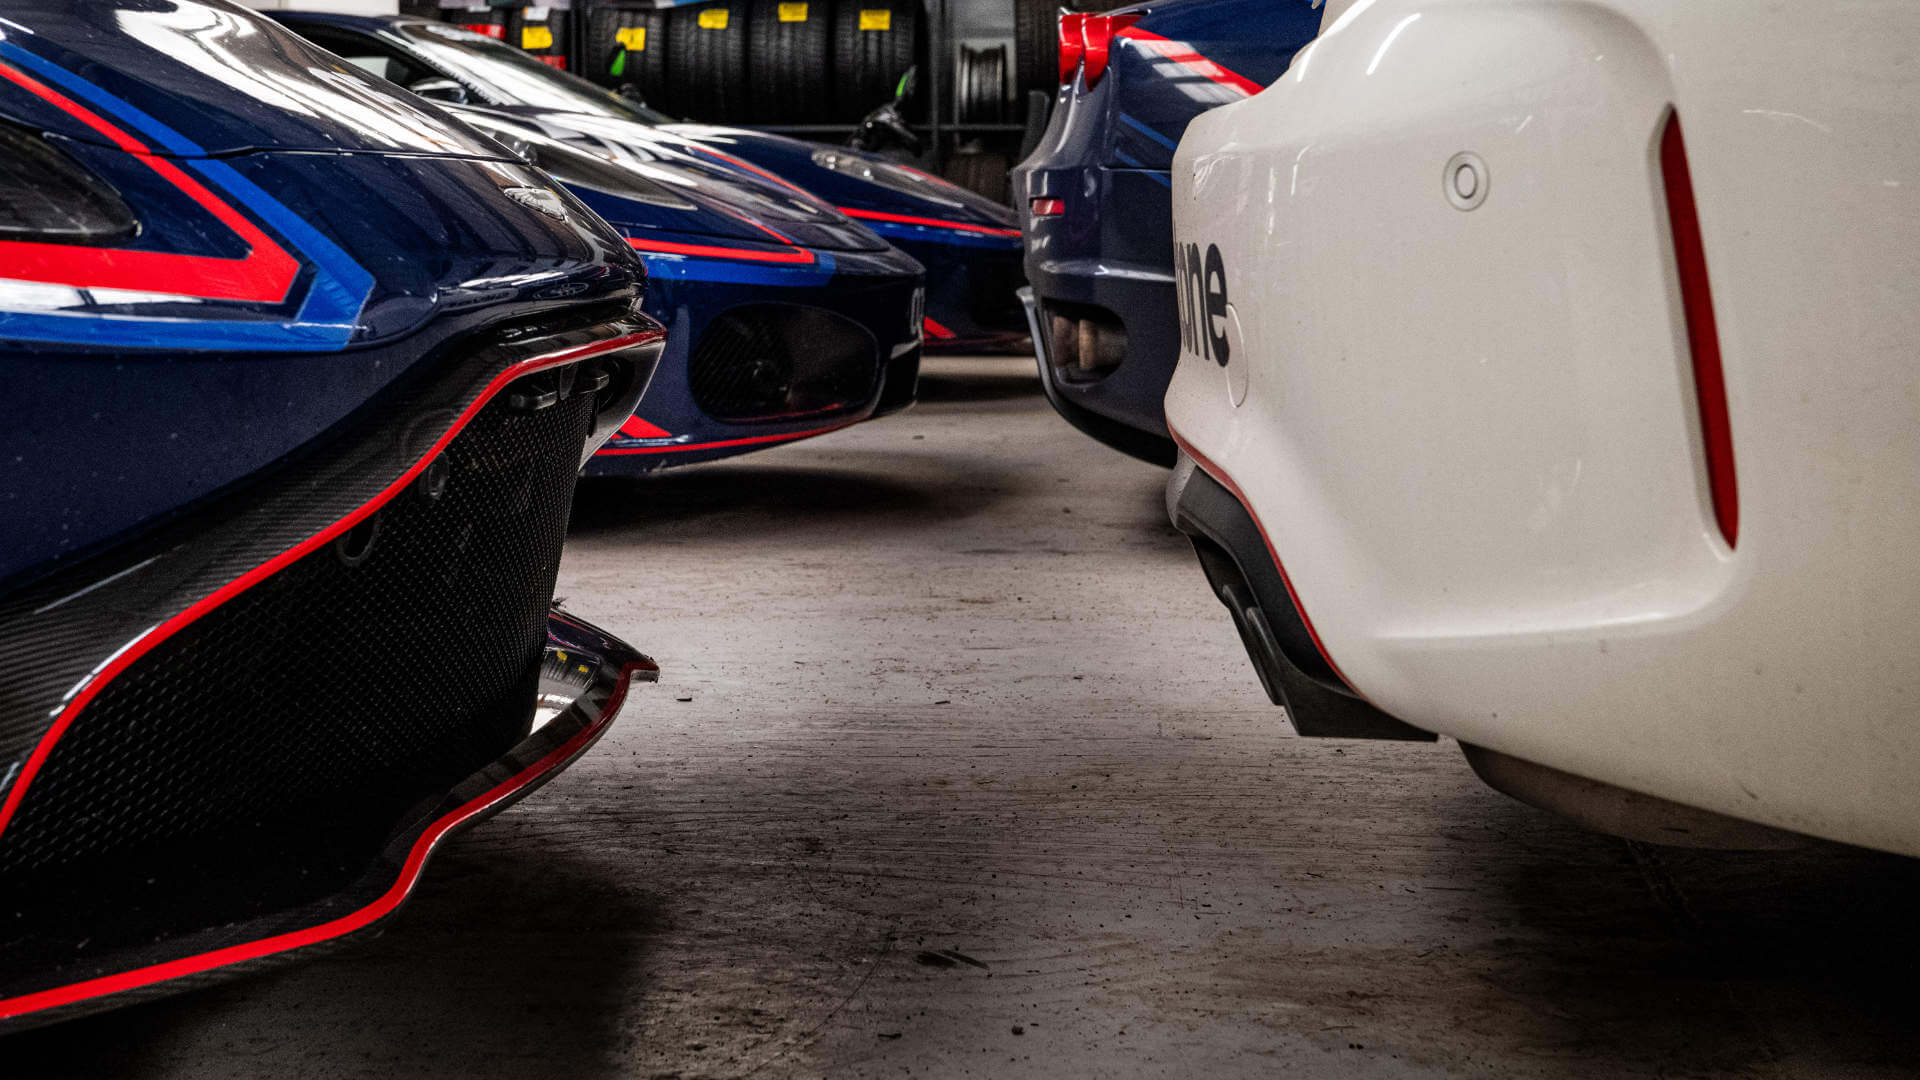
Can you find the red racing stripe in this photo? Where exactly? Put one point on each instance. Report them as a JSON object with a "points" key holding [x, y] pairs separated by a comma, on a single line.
{"points": [[750, 441], [664, 247], [263, 276], [1183, 54], [936, 223], [145, 643], [754, 169]]}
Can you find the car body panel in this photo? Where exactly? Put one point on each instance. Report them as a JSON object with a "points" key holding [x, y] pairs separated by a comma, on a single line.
{"points": [[1105, 157], [1473, 434]]}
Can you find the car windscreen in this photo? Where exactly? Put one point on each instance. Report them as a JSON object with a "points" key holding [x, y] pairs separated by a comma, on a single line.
{"points": [[516, 78]]}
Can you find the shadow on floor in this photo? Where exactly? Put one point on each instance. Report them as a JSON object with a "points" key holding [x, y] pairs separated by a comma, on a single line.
{"points": [[1687, 962], [726, 500], [996, 383], [475, 971]]}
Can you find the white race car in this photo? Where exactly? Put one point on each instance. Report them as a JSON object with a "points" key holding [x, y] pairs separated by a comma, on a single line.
{"points": [[1551, 381]]}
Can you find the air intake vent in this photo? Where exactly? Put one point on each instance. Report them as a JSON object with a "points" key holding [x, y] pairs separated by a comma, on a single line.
{"points": [[780, 361]]}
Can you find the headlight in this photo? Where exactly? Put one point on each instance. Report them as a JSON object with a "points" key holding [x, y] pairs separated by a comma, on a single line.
{"points": [[47, 196], [888, 175]]}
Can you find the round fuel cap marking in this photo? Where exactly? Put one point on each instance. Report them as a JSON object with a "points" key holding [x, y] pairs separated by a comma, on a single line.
{"points": [[1464, 181]]}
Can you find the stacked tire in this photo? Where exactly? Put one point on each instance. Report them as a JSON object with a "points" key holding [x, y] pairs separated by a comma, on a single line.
{"points": [[736, 61], [791, 72], [874, 43], [541, 31], [627, 46], [707, 60]]}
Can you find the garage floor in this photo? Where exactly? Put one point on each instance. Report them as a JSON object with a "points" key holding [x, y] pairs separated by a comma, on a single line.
{"points": [[956, 769]]}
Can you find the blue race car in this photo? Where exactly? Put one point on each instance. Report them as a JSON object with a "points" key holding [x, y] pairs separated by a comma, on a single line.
{"points": [[307, 372], [969, 245], [786, 319], [1096, 196]]}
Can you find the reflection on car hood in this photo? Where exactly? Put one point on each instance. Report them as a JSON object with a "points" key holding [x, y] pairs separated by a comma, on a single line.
{"points": [[921, 195], [730, 197], [235, 81]]}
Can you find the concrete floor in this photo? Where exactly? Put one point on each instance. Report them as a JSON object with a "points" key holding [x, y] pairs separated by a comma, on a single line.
{"points": [[974, 780]]}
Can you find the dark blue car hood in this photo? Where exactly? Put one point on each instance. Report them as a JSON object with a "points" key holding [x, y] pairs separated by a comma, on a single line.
{"points": [[231, 79], [719, 197], [916, 194]]}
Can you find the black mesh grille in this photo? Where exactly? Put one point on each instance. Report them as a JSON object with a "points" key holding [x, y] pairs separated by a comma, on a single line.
{"points": [[272, 745], [780, 361]]}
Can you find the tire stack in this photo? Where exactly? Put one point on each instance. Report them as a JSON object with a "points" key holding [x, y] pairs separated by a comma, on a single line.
{"points": [[707, 60], [1036, 46], [739, 61], [541, 31], [874, 43], [627, 46], [790, 77]]}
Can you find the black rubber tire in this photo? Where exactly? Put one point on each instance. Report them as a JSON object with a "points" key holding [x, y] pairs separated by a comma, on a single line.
{"points": [[557, 26], [868, 63], [792, 62], [644, 69], [980, 85], [983, 172], [708, 67], [1036, 46]]}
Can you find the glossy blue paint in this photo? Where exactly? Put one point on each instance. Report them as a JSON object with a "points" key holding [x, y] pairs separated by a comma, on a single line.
{"points": [[872, 290], [971, 254], [137, 405], [730, 238], [1106, 156]]}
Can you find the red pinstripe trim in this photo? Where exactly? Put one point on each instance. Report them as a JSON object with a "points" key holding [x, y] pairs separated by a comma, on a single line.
{"points": [[263, 276], [754, 169], [1226, 481], [1183, 54], [147, 642], [937, 223], [346, 924], [753, 440], [665, 247]]}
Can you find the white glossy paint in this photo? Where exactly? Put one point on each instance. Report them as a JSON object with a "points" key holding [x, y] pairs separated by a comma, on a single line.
{"points": [[1471, 434]]}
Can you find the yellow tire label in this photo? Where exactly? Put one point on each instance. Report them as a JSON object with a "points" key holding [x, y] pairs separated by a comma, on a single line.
{"points": [[536, 37], [713, 19], [876, 19], [793, 12], [633, 37]]}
